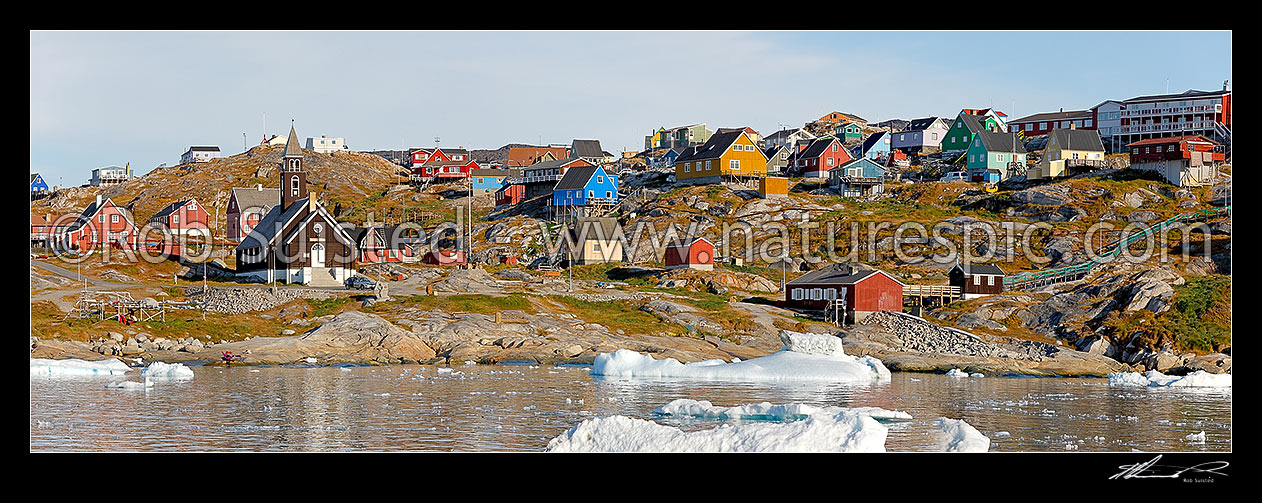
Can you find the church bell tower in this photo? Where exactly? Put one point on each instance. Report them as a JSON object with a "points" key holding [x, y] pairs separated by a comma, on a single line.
{"points": [[293, 179]]}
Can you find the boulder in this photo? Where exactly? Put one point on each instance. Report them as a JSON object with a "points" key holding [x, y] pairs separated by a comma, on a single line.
{"points": [[1046, 196]]}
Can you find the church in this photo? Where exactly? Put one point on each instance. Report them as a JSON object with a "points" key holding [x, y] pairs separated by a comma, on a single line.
{"points": [[297, 241]]}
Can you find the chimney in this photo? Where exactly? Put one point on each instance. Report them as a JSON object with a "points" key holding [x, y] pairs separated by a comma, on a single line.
{"points": [[1062, 109], [98, 200], [311, 202]]}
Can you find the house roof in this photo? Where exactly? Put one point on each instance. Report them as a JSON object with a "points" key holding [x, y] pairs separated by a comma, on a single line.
{"points": [[687, 243], [974, 123], [1172, 139], [817, 147], [91, 211], [872, 140], [203, 149], [556, 163], [490, 172], [576, 177], [1001, 142], [786, 133], [265, 231], [525, 156], [986, 269], [594, 228], [858, 160], [840, 274], [170, 208], [713, 148], [1189, 94], [1050, 116], [391, 234], [1078, 139], [586, 148], [922, 124], [293, 147], [256, 197], [746, 129]]}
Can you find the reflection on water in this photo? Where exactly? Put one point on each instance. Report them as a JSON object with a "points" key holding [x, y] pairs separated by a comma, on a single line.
{"points": [[520, 408]]}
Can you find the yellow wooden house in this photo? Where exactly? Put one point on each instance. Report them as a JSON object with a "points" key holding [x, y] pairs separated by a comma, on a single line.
{"points": [[728, 154], [1068, 152]]}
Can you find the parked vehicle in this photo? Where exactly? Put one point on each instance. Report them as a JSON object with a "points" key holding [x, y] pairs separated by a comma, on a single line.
{"points": [[360, 283], [955, 176]]}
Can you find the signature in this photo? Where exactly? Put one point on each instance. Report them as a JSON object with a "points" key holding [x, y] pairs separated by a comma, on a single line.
{"points": [[1146, 470]]}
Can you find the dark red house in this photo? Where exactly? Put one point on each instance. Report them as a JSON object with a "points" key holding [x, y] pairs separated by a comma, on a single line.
{"points": [[379, 244], [977, 280], [102, 224], [183, 218], [859, 292], [814, 159], [444, 257], [695, 254], [510, 193]]}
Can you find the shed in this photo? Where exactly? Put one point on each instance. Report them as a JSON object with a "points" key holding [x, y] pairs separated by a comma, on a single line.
{"points": [[860, 292], [444, 257], [695, 254], [773, 186]]}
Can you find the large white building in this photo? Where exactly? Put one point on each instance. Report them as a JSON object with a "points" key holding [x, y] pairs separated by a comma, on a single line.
{"points": [[1192, 112], [325, 145], [110, 175]]}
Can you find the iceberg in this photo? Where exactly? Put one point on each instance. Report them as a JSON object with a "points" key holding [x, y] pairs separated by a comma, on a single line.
{"points": [[956, 373], [131, 384], [766, 411], [845, 431], [959, 436], [804, 357], [167, 370], [75, 367], [1153, 378]]}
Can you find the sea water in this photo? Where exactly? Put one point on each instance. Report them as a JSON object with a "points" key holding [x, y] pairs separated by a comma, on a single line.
{"points": [[519, 408]]}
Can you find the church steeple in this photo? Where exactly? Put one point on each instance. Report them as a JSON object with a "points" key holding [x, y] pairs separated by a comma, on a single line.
{"points": [[293, 179]]}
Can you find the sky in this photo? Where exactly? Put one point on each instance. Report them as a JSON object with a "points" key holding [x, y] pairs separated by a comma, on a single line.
{"points": [[107, 98]]}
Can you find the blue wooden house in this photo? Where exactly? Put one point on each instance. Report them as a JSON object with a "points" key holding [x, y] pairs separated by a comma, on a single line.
{"points": [[488, 181], [668, 158], [584, 186], [857, 178], [876, 147], [38, 187]]}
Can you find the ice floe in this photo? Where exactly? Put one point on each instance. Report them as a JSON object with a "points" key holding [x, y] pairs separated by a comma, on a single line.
{"points": [[1200, 378], [843, 432], [75, 367], [812, 357], [167, 371], [959, 436], [766, 411]]}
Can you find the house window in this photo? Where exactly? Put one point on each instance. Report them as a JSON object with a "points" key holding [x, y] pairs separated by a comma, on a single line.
{"points": [[687, 168], [830, 294], [591, 193], [990, 280], [796, 294], [175, 219], [707, 166], [600, 179], [100, 217], [977, 280], [935, 136], [608, 194], [817, 294], [735, 164], [830, 161], [295, 185], [834, 147]]}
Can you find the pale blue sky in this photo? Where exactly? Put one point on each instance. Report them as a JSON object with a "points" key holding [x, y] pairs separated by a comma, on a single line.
{"points": [[101, 98]]}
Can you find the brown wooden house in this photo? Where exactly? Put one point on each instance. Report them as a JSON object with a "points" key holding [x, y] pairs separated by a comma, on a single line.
{"points": [[298, 241], [977, 280]]}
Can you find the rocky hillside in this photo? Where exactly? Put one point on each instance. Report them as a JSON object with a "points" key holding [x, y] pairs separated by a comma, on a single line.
{"points": [[344, 178]]}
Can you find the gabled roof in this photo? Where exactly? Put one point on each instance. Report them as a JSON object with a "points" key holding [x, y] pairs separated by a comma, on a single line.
{"points": [[713, 148], [687, 243], [921, 124], [389, 234], [817, 147], [974, 269], [974, 123], [293, 148], [256, 197], [1078, 139], [490, 172], [92, 210], [786, 133], [203, 149], [871, 141], [577, 177], [557, 163], [265, 231], [858, 160], [170, 208], [1001, 142], [586, 148], [840, 274], [594, 228]]}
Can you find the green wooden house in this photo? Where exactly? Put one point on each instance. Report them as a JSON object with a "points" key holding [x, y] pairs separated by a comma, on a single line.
{"points": [[990, 154], [964, 130]]}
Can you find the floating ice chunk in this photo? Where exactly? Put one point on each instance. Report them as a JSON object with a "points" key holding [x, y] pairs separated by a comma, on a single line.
{"points": [[843, 432], [444, 370], [1002, 434], [147, 383], [167, 370], [76, 367], [1153, 378], [811, 344], [783, 365], [1196, 438], [956, 373], [977, 374], [959, 436], [766, 411]]}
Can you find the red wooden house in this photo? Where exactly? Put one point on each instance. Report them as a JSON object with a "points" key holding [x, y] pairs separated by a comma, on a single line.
{"points": [[813, 159], [444, 257], [1183, 160], [375, 245], [246, 208], [855, 293], [102, 224], [695, 254], [450, 163], [185, 218], [510, 193]]}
